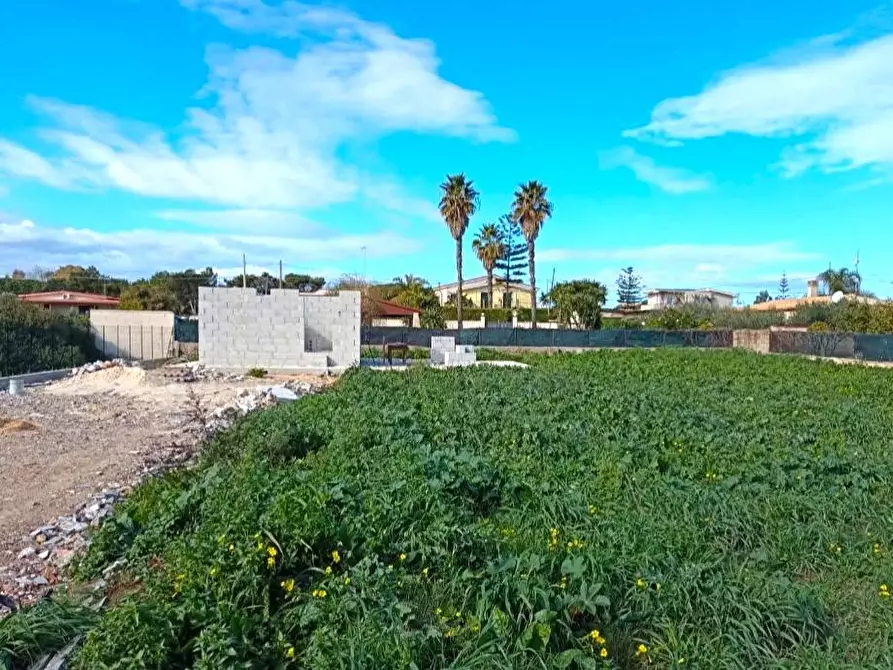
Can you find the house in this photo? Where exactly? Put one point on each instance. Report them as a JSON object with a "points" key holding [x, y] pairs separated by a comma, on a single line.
{"points": [[509, 296], [790, 305], [662, 298], [71, 301], [386, 313]]}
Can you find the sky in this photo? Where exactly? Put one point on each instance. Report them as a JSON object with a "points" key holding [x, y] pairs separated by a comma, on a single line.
{"points": [[709, 144]]}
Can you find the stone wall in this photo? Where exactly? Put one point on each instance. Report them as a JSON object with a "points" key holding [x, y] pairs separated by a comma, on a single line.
{"points": [[285, 330], [133, 334], [755, 340]]}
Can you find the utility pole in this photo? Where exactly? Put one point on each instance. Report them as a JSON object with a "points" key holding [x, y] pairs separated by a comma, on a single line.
{"points": [[858, 278], [244, 272], [280, 275]]}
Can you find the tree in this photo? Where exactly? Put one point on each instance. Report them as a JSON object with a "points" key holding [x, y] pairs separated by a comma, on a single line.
{"points": [[844, 280], [489, 248], [303, 283], [458, 203], [17, 274], [783, 288], [148, 296], [262, 283], [579, 303], [762, 296], [184, 285], [629, 289], [530, 209], [513, 263]]}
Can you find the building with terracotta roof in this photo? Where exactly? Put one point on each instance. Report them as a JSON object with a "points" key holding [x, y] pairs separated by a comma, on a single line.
{"points": [[812, 297], [71, 301], [387, 313]]}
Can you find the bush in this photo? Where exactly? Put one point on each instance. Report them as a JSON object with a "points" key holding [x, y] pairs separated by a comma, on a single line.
{"points": [[34, 339]]}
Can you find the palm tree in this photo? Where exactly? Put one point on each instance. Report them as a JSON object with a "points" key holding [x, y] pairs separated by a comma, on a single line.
{"points": [[531, 209], [458, 202], [844, 280], [489, 248]]}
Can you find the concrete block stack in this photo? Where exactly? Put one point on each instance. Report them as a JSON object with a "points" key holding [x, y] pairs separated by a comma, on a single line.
{"points": [[445, 351]]}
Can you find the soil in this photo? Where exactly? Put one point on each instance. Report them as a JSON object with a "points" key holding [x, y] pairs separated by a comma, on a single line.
{"points": [[62, 442]]}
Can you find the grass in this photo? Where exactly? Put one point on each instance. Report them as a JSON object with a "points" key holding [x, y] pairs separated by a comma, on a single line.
{"points": [[42, 629], [602, 510]]}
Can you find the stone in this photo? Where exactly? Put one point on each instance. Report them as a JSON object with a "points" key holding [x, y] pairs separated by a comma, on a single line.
{"points": [[40, 580], [44, 555], [282, 394], [26, 552]]}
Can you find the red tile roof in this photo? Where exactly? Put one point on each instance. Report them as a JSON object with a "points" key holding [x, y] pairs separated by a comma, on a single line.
{"points": [[73, 298], [387, 308]]}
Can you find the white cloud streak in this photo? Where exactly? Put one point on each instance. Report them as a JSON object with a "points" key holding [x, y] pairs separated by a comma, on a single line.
{"points": [[140, 252], [668, 179], [275, 121], [837, 98]]}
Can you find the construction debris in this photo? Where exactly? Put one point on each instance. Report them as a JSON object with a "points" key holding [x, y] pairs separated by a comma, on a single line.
{"points": [[96, 366], [195, 372]]}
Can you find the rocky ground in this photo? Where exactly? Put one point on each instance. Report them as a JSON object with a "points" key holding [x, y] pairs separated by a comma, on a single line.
{"points": [[71, 449]]}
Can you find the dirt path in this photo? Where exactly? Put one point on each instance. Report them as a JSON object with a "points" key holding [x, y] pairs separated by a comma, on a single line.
{"points": [[64, 441]]}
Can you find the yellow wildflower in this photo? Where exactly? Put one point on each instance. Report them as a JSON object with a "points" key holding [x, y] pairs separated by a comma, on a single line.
{"points": [[272, 551], [641, 583], [271, 562], [593, 510], [232, 548], [288, 585], [213, 571], [290, 652], [425, 572], [594, 634], [641, 650], [884, 591], [402, 557], [328, 569], [347, 581], [681, 660], [336, 557], [563, 583], [877, 548], [604, 652], [319, 593]]}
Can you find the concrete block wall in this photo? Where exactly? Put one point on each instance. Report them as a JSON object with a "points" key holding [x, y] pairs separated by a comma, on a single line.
{"points": [[284, 330], [133, 334]]}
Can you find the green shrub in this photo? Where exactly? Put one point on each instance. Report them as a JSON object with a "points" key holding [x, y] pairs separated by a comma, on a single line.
{"points": [[258, 373]]}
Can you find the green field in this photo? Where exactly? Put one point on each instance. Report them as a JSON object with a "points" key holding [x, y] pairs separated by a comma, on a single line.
{"points": [[617, 509]]}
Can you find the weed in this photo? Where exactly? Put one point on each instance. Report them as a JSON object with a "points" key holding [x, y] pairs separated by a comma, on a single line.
{"points": [[258, 373]]}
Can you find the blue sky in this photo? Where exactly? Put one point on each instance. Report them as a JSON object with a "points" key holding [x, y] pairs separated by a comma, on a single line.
{"points": [[716, 145]]}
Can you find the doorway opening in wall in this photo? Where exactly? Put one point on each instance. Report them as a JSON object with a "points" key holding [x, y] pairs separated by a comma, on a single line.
{"points": [[316, 340]]}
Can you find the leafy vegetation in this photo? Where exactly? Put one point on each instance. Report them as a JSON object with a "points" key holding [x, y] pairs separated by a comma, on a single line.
{"points": [[34, 339], [43, 629], [604, 510], [578, 303]]}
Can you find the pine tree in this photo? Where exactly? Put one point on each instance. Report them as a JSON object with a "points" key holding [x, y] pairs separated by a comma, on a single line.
{"points": [[510, 268], [783, 288], [629, 288]]}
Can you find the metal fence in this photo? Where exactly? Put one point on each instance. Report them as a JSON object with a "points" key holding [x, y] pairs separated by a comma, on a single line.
{"points": [[860, 346], [25, 349], [186, 329], [551, 339]]}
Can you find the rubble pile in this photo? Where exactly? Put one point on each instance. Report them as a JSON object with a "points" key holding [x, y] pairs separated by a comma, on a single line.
{"points": [[51, 547], [96, 366], [248, 401], [196, 372]]}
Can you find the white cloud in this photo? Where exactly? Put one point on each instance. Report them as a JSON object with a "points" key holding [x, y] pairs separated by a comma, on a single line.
{"points": [[275, 122], [671, 180], [140, 252], [835, 96]]}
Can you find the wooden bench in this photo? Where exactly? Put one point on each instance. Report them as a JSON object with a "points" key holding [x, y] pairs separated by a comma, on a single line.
{"points": [[388, 349]]}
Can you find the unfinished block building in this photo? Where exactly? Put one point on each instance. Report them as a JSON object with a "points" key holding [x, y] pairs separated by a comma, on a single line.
{"points": [[285, 330]]}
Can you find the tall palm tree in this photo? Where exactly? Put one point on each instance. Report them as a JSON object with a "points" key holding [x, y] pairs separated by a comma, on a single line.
{"points": [[458, 202], [530, 209], [844, 280], [489, 248]]}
